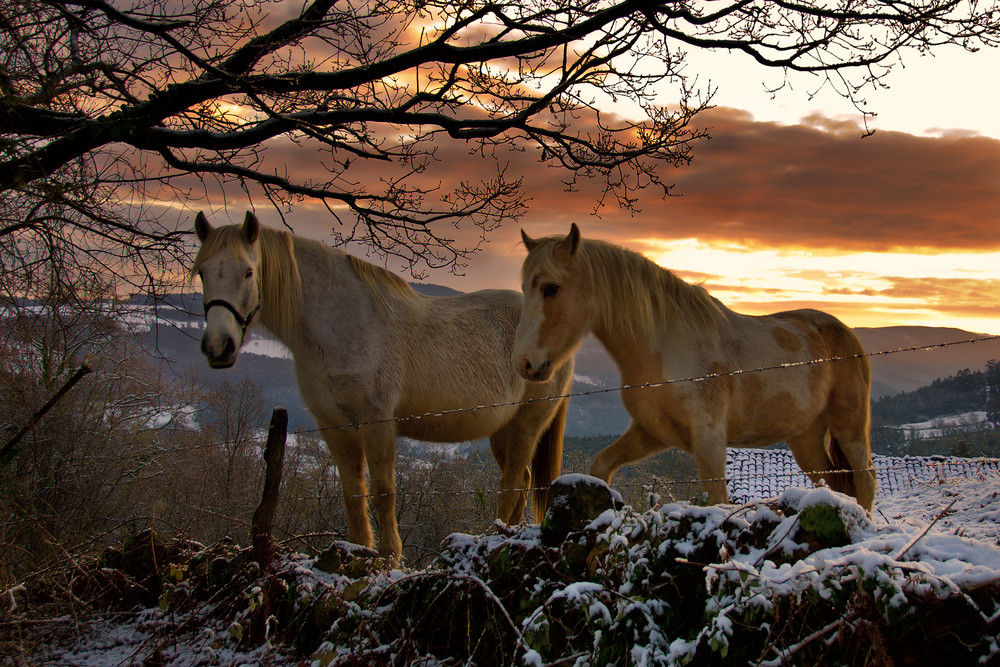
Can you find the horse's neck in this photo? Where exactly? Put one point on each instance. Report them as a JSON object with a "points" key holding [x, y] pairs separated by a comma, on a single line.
{"points": [[329, 288], [643, 357], [635, 357]]}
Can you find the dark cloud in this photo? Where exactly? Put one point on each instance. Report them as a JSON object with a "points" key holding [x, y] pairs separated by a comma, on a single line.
{"points": [[820, 185]]}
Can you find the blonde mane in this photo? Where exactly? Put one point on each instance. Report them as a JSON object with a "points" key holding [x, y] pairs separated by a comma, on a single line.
{"points": [[634, 295], [381, 282], [279, 281]]}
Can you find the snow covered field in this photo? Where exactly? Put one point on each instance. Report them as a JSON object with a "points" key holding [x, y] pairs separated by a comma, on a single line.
{"points": [[936, 428]]}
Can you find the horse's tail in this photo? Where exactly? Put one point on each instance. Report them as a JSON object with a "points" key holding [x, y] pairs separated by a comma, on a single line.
{"points": [[840, 481], [547, 462]]}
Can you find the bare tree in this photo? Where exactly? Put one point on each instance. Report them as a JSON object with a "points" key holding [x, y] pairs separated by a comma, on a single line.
{"points": [[83, 474], [108, 108]]}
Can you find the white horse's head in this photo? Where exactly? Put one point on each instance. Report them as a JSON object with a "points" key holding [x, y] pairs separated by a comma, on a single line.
{"points": [[228, 264], [557, 311]]}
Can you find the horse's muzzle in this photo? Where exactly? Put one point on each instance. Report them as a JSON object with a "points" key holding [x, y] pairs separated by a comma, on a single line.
{"points": [[219, 358], [535, 373]]}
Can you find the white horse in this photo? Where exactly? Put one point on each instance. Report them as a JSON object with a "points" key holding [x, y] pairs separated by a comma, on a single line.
{"points": [[369, 351], [657, 327]]}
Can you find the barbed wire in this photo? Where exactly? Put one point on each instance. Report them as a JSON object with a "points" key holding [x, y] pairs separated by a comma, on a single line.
{"points": [[605, 390], [954, 461], [649, 385]]}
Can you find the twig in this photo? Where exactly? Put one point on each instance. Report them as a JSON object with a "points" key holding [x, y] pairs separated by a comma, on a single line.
{"points": [[926, 529], [84, 368], [784, 656]]}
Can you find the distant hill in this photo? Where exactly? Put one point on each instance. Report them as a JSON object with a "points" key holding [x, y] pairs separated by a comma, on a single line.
{"points": [[906, 371], [173, 330], [961, 393]]}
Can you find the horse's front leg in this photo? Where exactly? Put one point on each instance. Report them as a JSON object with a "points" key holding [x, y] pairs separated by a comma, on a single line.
{"points": [[515, 474], [380, 445], [633, 445], [349, 455], [709, 451]]}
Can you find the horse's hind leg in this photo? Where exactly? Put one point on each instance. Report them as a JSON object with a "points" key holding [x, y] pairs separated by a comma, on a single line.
{"points": [[809, 449], [380, 447], [811, 453], [851, 445]]}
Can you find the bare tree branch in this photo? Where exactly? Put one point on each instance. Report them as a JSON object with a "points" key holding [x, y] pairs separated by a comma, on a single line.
{"points": [[107, 108]]}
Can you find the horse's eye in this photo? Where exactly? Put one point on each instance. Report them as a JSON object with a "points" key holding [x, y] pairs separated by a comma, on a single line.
{"points": [[550, 290], [249, 274]]}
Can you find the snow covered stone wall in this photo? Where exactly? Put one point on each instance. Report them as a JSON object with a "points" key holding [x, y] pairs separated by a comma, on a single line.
{"points": [[753, 474]]}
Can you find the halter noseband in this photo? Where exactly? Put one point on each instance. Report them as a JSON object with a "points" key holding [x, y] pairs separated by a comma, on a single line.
{"points": [[243, 322]]}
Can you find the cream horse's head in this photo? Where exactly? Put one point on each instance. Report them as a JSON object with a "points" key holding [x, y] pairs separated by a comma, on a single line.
{"points": [[557, 311], [228, 264]]}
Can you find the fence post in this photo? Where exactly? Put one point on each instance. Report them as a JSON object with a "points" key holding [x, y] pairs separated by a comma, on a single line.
{"points": [[274, 456]]}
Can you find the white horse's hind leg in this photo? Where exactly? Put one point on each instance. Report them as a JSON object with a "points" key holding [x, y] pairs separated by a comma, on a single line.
{"points": [[349, 456], [513, 446], [381, 450]]}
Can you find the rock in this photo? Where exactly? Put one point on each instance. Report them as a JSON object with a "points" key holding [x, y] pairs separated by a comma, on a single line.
{"points": [[575, 501], [825, 525], [347, 559]]}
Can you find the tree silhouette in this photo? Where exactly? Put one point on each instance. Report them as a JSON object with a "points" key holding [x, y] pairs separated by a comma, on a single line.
{"points": [[112, 112], [993, 392]]}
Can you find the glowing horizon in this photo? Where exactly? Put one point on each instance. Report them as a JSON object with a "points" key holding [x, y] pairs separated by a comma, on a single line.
{"points": [[862, 288]]}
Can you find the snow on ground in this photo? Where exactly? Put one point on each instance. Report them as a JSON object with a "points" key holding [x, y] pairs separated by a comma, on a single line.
{"points": [[948, 526], [912, 490], [965, 507], [266, 347], [936, 428], [587, 380]]}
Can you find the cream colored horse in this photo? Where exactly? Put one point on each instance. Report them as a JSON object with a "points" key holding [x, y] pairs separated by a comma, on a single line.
{"points": [[657, 327], [369, 349]]}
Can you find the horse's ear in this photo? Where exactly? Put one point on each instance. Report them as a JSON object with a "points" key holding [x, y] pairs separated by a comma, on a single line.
{"points": [[572, 240], [201, 226], [251, 228], [529, 242]]}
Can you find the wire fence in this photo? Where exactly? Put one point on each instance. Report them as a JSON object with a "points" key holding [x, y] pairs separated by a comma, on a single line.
{"points": [[744, 472], [746, 468], [650, 385]]}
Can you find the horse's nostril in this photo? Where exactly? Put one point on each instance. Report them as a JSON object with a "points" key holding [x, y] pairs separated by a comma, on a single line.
{"points": [[230, 348]]}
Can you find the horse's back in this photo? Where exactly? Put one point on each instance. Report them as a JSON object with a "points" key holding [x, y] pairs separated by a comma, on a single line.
{"points": [[824, 335]]}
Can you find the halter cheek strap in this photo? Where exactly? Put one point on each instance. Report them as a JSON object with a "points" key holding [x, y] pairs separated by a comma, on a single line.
{"points": [[244, 322]]}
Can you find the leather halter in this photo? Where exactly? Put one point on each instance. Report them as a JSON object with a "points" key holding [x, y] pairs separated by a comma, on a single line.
{"points": [[244, 322]]}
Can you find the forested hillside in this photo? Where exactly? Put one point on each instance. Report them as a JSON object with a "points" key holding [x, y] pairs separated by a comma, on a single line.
{"points": [[966, 391]]}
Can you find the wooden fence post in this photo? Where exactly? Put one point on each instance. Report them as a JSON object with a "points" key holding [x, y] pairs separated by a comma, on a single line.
{"points": [[263, 518]]}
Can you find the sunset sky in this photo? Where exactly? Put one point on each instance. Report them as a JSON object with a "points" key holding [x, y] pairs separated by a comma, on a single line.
{"points": [[787, 206]]}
